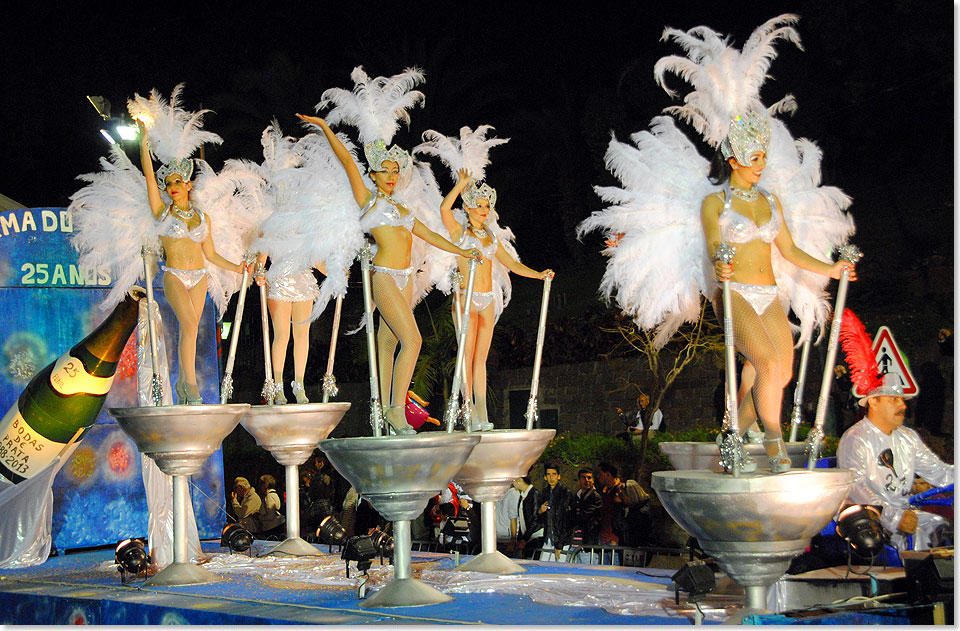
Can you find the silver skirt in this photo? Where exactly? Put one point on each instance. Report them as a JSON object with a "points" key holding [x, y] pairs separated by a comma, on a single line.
{"points": [[294, 287]]}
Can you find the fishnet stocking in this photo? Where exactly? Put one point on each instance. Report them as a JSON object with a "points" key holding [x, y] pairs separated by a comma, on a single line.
{"points": [[397, 324], [767, 343]]}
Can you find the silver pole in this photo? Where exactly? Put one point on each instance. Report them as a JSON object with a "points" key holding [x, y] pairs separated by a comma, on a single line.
{"points": [[291, 472], [729, 440], [156, 383], [226, 387], [329, 381], [851, 254], [488, 527], [453, 405], [795, 419], [180, 498], [402, 549], [458, 319], [376, 410], [269, 387], [532, 413]]}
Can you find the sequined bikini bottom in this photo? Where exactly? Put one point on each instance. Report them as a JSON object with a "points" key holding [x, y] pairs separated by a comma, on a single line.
{"points": [[396, 273], [759, 296], [189, 277], [481, 299]]}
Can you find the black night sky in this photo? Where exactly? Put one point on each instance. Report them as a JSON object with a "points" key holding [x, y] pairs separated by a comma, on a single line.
{"points": [[874, 87]]}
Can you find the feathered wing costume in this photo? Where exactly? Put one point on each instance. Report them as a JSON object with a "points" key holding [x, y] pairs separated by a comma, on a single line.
{"points": [[112, 215], [111, 221], [660, 267], [314, 216], [471, 152]]}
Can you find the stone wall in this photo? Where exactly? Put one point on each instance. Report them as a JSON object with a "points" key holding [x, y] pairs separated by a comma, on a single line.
{"points": [[586, 395]]}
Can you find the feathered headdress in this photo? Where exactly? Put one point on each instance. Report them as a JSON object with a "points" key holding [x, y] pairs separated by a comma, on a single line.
{"points": [[726, 81], [376, 107], [858, 349], [175, 133], [470, 152]]}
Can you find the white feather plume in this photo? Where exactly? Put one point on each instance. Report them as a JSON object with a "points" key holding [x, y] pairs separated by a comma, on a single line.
{"points": [[234, 206], [111, 221], [726, 81], [657, 272], [315, 218], [817, 221], [374, 106], [175, 133], [471, 151]]}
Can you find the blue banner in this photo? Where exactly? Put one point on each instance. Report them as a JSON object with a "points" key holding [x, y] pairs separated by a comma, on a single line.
{"points": [[49, 304]]}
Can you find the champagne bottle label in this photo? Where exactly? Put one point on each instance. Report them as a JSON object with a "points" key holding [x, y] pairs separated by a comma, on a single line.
{"points": [[23, 450], [64, 398], [70, 377]]}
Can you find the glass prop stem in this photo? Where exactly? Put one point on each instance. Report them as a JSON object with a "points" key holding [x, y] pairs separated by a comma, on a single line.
{"points": [[453, 405], [269, 387], [376, 409], [156, 384], [796, 415], [851, 254], [329, 381], [226, 387], [532, 413]]}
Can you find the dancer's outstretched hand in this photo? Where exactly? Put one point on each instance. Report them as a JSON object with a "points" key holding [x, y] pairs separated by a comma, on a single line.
{"points": [[465, 178], [316, 120], [547, 273]]}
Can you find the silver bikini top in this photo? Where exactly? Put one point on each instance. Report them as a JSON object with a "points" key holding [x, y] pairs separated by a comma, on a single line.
{"points": [[469, 241], [176, 228], [735, 228], [381, 211]]}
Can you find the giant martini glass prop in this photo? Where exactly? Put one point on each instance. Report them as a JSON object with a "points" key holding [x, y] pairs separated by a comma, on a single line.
{"points": [[290, 433], [753, 524], [179, 438], [501, 457], [398, 475]]}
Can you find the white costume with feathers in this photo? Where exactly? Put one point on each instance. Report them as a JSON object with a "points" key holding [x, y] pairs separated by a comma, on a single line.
{"points": [[660, 267], [376, 107], [470, 152], [112, 215], [314, 217]]}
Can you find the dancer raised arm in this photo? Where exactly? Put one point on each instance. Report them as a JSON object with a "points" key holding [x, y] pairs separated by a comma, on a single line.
{"points": [[476, 227], [185, 231], [390, 224]]}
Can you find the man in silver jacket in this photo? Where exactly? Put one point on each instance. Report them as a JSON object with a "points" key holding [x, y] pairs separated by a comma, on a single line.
{"points": [[885, 458]]}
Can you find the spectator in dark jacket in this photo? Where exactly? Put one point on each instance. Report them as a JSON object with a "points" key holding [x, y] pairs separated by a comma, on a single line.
{"points": [[527, 517], [622, 521], [553, 512], [585, 510]]}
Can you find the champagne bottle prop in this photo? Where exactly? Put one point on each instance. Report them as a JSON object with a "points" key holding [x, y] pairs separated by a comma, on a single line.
{"points": [[65, 397]]}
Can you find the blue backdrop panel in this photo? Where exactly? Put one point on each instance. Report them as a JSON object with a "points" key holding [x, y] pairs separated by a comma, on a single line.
{"points": [[48, 305]]}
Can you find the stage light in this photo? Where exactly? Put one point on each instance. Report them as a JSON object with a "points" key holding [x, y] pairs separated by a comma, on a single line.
{"points": [[236, 537], [330, 530], [695, 578], [107, 135], [126, 132], [860, 527], [361, 549], [131, 556], [383, 542]]}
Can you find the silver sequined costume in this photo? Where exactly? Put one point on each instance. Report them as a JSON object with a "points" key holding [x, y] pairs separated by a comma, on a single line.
{"points": [[293, 285]]}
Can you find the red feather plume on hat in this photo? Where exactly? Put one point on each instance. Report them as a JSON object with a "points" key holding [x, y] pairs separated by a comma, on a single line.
{"points": [[858, 349]]}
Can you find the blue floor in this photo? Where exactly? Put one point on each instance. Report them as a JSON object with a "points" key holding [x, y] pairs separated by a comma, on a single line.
{"points": [[80, 588]]}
